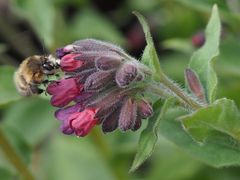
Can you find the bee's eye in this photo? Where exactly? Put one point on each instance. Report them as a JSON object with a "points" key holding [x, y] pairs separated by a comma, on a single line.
{"points": [[48, 66]]}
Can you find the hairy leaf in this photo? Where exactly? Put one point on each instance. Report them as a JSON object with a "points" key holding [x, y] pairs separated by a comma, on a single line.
{"points": [[149, 136], [214, 152], [220, 117], [149, 57], [202, 59]]}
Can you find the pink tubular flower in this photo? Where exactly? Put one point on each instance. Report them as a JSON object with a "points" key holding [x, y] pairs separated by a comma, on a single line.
{"points": [[63, 115], [63, 91], [82, 122], [69, 64]]}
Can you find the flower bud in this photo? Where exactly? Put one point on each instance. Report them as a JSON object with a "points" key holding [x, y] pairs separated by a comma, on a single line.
{"points": [[106, 102], [198, 39], [110, 123], [128, 115], [94, 45], [98, 80], [140, 76], [69, 64], [144, 109], [137, 124], [126, 74], [83, 75], [194, 84], [108, 62], [60, 53]]}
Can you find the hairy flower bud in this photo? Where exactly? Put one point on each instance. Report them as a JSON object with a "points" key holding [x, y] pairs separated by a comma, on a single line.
{"points": [[83, 75], [110, 123], [137, 124], [94, 45], [144, 109], [128, 115], [126, 74], [106, 102], [108, 62], [198, 39], [98, 80], [69, 64], [194, 84]]}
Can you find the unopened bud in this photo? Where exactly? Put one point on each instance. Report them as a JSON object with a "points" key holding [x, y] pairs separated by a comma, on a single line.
{"points": [[128, 115], [108, 62], [198, 39], [137, 124], [144, 109], [82, 76], [140, 76], [126, 74], [194, 84], [98, 80], [106, 102], [110, 123], [95, 45]]}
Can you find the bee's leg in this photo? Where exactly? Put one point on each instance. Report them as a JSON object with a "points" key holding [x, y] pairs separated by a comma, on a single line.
{"points": [[35, 89], [45, 82], [40, 91]]}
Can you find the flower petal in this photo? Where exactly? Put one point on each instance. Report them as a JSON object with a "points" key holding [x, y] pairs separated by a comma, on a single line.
{"points": [[69, 64], [83, 122]]}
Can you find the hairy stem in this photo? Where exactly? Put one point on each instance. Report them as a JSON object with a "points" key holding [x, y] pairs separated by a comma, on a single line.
{"points": [[14, 158], [193, 103]]}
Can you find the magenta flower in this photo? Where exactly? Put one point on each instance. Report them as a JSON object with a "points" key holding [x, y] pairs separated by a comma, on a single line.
{"points": [[104, 82], [82, 122], [63, 115], [64, 91], [69, 64]]}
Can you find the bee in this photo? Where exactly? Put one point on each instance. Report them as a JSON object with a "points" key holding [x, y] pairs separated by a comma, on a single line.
{"points": [[33, 72]]}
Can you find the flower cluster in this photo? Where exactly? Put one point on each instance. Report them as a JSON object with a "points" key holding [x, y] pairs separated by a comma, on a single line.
{"points": [[101, 85]]}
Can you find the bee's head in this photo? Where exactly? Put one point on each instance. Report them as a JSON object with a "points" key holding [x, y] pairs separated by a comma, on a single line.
{"points": [[48, 65]]}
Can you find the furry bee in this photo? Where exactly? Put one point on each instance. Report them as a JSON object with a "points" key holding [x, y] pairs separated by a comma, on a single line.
{"points": [[32, 72]]}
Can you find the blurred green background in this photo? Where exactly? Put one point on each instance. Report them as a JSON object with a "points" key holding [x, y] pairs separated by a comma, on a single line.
{"points": [[30, 27]]}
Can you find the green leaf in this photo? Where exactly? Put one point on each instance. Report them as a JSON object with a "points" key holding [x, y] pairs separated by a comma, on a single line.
{"points": [[41, 16], [202, 59], [149, 57], [220, 117], [149, 136], [33, 118], [213, 153], [7, 88]]}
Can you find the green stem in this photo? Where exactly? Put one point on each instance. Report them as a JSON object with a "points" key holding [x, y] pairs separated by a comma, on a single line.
{"points": [[194, 104], [14, 158]]}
